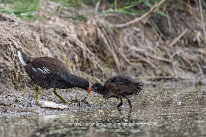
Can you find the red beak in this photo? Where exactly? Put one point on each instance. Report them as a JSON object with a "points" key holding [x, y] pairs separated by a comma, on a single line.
{"points": [[89, 90]]}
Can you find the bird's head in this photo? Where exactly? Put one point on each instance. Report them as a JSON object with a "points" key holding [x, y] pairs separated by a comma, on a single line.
{"points": [[97, 87], [85, 85]]}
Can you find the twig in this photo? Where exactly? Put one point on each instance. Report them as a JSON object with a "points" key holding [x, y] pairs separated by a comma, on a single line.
{"points": [[108, 42], [142, 59], [161, 78], [97, 6], [59, 9], [166, 78], [142, 19], [202, 18], [191, 12], [177, 38], [169, 22], [140, 51]]}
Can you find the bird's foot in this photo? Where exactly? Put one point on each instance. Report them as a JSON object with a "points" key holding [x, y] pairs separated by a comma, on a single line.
{"points": [[68, 102], [37, 103], [85, 101], [78, 102], [130, 110], [119, 110], [119, 106], [73, 102]]}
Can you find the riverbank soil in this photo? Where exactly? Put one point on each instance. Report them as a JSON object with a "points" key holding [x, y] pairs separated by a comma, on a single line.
{"points": [[164, 49]]}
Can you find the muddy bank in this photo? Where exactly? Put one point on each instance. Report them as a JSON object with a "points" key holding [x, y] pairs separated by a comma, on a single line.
{"points": [[157, 112], [165, 49]]}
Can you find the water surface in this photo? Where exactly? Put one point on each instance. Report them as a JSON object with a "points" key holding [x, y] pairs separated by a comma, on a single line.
{"points": [[157, 112]]}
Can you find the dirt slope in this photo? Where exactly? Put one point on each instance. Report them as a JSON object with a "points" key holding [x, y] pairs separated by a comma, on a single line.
{"points": [[174, 51]]}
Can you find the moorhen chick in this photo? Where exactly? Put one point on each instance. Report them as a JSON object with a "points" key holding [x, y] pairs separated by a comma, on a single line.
{"points": [[48, 72], [119, 87]]}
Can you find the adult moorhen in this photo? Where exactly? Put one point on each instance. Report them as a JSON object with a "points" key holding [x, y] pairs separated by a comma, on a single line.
{"points": [[119, 87], [48, 72]]}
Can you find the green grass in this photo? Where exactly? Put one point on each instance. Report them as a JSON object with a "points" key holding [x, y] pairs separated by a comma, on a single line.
{"points": [[129, 7], [27, 9], [21, 8]]}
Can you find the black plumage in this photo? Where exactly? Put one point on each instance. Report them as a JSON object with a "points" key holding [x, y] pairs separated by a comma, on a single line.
{"points": [[119, 87], [48, 72]]}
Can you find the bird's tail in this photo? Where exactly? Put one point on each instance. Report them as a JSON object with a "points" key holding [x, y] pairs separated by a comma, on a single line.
{"points": [[24, 59]]}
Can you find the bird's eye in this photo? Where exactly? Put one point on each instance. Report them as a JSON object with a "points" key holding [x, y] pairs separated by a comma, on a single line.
{"points": [[95, 88]]}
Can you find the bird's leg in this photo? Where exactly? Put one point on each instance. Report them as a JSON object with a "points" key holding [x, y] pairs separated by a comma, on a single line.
{"points": [[120, 111], [63, 99], [81, 101], [85, 101], [130, 104], [76, 101], [36, 90], [120, 104]]}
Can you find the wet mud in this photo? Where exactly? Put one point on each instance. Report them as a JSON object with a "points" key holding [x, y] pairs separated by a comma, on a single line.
{"points": [[156, 112]]}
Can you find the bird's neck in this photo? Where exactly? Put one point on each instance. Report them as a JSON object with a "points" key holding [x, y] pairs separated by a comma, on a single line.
{"points": [[76, 81]]}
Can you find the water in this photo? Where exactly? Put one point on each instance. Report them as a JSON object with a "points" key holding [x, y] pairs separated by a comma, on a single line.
{"points": [[157, 112]]}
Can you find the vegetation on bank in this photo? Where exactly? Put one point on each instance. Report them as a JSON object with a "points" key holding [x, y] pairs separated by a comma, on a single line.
{"points": [[21, 8], [28, 9], [157, 48]]}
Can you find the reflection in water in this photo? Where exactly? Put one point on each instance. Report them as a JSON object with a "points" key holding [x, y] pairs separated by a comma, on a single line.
{"points": [[156, 113], [89, 125]]}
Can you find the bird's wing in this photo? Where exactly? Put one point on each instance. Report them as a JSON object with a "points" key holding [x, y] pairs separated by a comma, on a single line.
{"points": [[125, 85], [124, 80], [48, 67], [119, 80]]}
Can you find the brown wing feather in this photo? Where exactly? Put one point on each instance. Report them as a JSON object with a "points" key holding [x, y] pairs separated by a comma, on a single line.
{"points": [[44, 71], [121, 86], [54, 65]]}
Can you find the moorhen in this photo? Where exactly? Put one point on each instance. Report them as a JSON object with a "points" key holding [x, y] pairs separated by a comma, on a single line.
{"points": [[48, 72], [119, 87]]}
